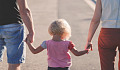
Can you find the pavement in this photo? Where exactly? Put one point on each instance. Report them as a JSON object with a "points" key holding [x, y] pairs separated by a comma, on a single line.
{"points": [[78, 14]]}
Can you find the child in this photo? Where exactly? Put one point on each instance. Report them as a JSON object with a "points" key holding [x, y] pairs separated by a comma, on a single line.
{"points": [[58, 47]]}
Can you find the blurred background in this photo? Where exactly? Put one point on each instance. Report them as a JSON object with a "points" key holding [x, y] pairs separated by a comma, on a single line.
{"points": [[78, 13]]}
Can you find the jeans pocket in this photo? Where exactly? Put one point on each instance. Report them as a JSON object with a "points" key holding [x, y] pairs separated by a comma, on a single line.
{"points": [[12, 31]]}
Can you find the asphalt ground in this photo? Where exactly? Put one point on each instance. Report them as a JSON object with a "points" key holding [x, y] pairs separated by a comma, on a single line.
{"points": [[78, 14]]}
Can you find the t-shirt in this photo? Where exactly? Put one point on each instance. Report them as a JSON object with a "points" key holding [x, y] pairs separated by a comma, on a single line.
{"points": [[58, 53], [9, 12], [70, 46], [110, 13]]}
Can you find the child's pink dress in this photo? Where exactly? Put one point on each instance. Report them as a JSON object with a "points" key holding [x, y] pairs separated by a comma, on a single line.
{"points": [[57, 51]]}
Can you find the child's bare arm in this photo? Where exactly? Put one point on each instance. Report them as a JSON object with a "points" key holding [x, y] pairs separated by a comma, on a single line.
{"points": [[78, 53], [33, 49]]}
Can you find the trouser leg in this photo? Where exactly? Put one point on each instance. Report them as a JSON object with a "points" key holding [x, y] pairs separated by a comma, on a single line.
{"points": [[107, 44], [107, 58]]}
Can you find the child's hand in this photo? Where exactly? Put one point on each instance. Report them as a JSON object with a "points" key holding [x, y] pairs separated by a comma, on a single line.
{"points": [[88, 46], [27, 41]]}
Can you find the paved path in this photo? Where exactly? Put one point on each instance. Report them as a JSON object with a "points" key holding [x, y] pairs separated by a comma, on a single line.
{"points": [[78, 14]]}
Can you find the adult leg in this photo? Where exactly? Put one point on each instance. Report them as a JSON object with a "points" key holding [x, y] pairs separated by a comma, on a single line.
{"points": [[14, 35], [14, 67], [107, 58], [107, 49], [2, 48]]}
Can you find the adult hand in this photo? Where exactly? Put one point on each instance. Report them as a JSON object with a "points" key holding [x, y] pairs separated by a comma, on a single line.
{"points": [[88, 46], [30, 37]]}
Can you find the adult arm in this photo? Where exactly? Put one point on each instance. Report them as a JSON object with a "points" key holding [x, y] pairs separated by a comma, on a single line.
{"points": [[27, 18], [94, 22]]}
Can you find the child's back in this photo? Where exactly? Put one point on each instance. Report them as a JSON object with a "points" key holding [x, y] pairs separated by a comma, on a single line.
{"points": [[58, 55]]}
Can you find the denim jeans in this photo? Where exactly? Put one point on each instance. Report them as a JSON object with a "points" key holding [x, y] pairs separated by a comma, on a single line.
{"points": [[11, 37]]}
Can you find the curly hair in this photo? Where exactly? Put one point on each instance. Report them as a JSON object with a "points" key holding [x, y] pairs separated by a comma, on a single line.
{"points": [[60, 27]]}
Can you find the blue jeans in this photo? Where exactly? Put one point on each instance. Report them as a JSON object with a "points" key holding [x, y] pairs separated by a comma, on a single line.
{"points": [[58, 68], [12, 36]]}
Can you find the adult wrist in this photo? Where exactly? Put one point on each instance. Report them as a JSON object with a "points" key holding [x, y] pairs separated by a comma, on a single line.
{"points": [[31, 32], [88, 41]]}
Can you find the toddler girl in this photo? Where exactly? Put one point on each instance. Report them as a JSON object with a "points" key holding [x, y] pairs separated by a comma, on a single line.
{"points": [[58, 47]]}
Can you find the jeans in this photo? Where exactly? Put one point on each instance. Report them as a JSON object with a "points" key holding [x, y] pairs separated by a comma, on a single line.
{"points": [[11, 37]]}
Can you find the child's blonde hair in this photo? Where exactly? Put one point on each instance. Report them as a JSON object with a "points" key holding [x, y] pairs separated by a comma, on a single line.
{"points": [[60, 27]]}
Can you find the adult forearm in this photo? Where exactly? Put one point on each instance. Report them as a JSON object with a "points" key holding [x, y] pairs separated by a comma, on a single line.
{"points": [[27, 19], [92, 30]]}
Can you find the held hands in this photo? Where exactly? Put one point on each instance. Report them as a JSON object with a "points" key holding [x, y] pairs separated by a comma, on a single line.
{"points": [[29, 38], [88, 46], [27, 41]]}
